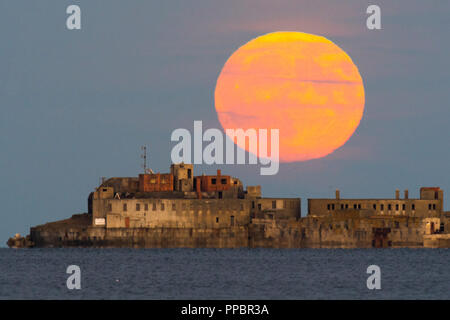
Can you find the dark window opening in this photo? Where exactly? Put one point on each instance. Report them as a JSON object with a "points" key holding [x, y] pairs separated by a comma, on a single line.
{"points": [[413, 206], [189, 173], [138, 207], [104, 190], [253, 204], [223, 181], [403, 206], [217, 219], [429, 206], [342, 206], [382, 207], [259, 206], [328, 206], [359, 206], [389, 206], [213, 180], [434, 206], [374, 207], [220, 195], [332, 206], [354, 206], [396, 207]]}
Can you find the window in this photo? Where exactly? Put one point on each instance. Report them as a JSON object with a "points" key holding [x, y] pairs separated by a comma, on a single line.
{"points": [[274, 204], [104, 190], [354, 206], [213, 180], [217, 219], [154, 207], [328, 206], [146, 207], [342, 206], [174, 206], [223, 181], [389, 206], [124, 207], [374, 206], [259, 206], [332, 206], [396, 207], [382, 207], [359, 206], [403, 206], [434, 206], [138, 207], [189, 173], [429, 206], [346, 206], [162, 206], [253, 204], [413, 206], [397, 224]]}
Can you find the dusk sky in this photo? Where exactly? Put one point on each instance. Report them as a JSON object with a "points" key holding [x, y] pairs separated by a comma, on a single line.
{"points": [[77, 105]]}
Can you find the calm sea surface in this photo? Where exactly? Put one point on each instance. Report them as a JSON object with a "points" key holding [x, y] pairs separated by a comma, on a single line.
{"points": [[224, 273]]}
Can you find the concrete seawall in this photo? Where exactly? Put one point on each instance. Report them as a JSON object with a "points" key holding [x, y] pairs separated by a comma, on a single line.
{"points": [[341, 231]]}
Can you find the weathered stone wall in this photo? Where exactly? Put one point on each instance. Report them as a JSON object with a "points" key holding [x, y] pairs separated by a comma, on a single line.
{"points": [[401, 207], [348, 230], [177, 213], [76, 233], [280, 208]]}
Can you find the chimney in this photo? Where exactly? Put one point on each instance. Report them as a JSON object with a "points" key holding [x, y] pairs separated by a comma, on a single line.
{"points": [[406, 194], [218, 172], [338, 194], [397, 194], [198, 188]]}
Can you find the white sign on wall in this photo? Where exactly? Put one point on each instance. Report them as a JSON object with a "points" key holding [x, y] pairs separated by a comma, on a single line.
{"points": [[99, 221]]}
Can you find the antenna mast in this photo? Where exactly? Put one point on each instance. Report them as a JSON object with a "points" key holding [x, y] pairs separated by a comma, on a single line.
{"points": [[144, 156], [144, 165]]}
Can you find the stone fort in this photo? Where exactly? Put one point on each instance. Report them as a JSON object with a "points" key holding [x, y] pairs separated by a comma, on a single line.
{"points": [[179, 209]]}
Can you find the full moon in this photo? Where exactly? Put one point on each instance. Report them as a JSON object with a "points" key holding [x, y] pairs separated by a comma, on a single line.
{"points": [[302, 84]]}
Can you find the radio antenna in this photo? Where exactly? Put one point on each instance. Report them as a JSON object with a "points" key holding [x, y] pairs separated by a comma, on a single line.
{"points": [[144, 157]]}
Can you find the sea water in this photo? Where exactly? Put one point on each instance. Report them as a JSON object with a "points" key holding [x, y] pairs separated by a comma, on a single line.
{"points": [[224, 273]]}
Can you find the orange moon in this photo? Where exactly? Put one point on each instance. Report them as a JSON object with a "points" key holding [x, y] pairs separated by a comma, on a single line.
{"points": [[302, 84]]}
